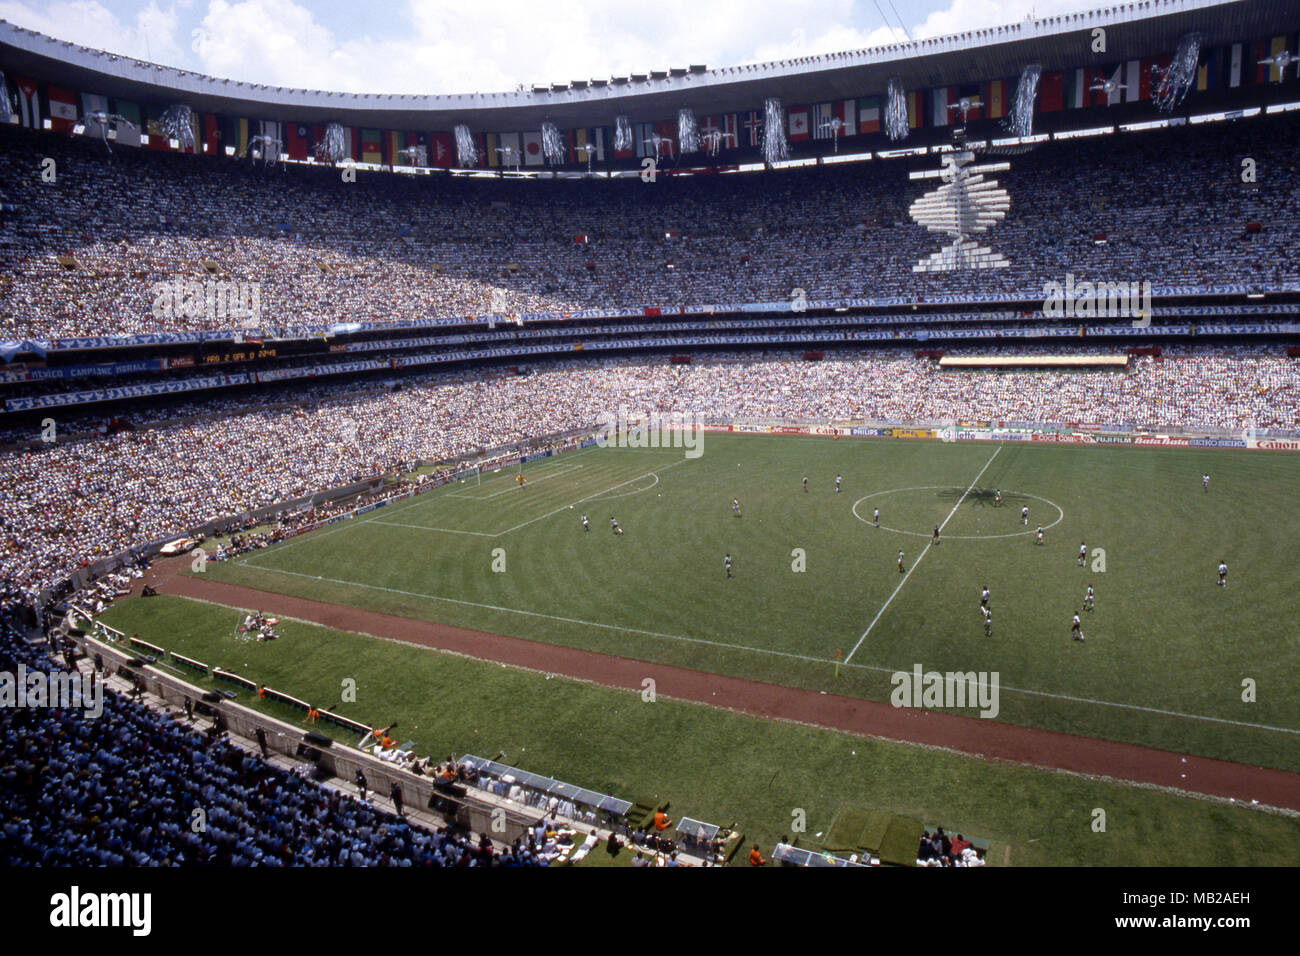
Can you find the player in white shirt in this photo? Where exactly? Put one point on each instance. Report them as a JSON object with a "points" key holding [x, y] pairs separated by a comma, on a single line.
{"points": [[900, 562], [1088, 598], [735, 506], [1223, 574], [726, 563], [997, 498], [613, 524], [988, 621], [1205, 483], [1024, 515], [875, 517], [984, 597], [1083, 553], [838, 479], [805, 484], [585, 526], [1076, 633], [1039, 534]]}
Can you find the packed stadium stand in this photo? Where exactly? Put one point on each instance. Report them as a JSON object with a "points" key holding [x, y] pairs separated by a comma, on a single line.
{"points": [[409, 319]]}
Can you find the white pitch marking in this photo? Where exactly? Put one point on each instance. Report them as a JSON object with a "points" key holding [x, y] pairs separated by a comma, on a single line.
{"points": [[917, 562]]}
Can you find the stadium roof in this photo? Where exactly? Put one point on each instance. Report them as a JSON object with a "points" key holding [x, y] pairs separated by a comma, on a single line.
{"points": [[1147, 28]]}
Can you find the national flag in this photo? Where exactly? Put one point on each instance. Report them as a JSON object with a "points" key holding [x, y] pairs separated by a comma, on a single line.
{"points": [[753, 126], [29, 102], [126, 136], [1099, 95], [835, 119], [372, 146], [394, 143], [1051, 92], [1133, 74], [241, 137], [297, 138], [274, 131], [63, 108], [1275, 75], [1077, 93], [94, 103], [507, 150], [915, 109], [1209, 75], [972, 95], [869, 114], [587, 145], [643, 135], [797, 123], [940, 100], [1235, 66], [533, 155], [667, 132], [995, 99], [441, 153]]}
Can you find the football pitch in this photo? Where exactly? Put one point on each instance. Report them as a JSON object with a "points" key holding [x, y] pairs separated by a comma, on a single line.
{"points": [[1169, 660]]}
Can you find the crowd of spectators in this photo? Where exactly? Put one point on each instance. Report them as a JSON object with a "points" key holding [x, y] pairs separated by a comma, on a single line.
{"points": [[120, 790], [1169, 205], [69, 504]]}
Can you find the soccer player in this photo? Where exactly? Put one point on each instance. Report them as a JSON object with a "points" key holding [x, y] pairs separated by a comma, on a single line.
{"points": [[735, 506], [1039, 534], [900, 562], [585, 526], [997, 498], [520, 478], [1205, 483], [613, 524], [935, 539], [805, 484], [988, 621], [1088, 598], [875, 517], [726, 563], [1024, 515], [1223, 574], [984, 596], [1083, 553], [1076, 633], [838, 479]]}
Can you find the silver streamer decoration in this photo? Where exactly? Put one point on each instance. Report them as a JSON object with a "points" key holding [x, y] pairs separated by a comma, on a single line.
{"points": [[688, 132], [552, 144], [622, 135], [333, 147], [268, 146], [177, 122], [896, 110], [1020, 122], [99, 122], [6, 103], [776, 148], [466, 148], [1178, 78]]}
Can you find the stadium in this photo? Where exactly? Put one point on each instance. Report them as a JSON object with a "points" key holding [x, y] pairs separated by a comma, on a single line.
{"points": [[884, 458]]}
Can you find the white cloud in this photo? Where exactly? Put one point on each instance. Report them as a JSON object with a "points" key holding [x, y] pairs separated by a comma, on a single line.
{"points": [[150, 35], [449, 46]]}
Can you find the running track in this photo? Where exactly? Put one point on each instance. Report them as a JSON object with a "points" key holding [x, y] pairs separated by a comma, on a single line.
{"points": [[970, 735]]}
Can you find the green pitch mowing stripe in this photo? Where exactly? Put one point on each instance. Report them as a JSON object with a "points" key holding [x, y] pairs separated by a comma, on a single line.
{"points": [[1170, 660], [714, 765]]}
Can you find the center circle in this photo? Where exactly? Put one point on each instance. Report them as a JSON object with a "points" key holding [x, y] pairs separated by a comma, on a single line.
{"points": [[1060, 512]]}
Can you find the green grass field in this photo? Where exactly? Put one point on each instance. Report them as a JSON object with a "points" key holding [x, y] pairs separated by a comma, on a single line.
{"points": [[711, 764], [1166, 650]]}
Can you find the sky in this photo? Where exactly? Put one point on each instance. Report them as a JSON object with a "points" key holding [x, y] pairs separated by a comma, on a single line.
{"points": [[436, 46]]}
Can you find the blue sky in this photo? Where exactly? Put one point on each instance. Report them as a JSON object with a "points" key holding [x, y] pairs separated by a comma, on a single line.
{"points": [[435, 46]]}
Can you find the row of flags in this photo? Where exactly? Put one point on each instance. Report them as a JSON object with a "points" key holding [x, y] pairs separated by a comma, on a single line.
{"points": [[1240, 64]]}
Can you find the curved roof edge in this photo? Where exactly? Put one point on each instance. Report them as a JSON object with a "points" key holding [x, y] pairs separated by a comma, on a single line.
{"points": [[664, 90]]}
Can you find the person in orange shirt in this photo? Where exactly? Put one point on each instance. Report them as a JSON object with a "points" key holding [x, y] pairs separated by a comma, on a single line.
{"points": [[756, 858], [313, 715], [261, 693], [661, 821]]}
